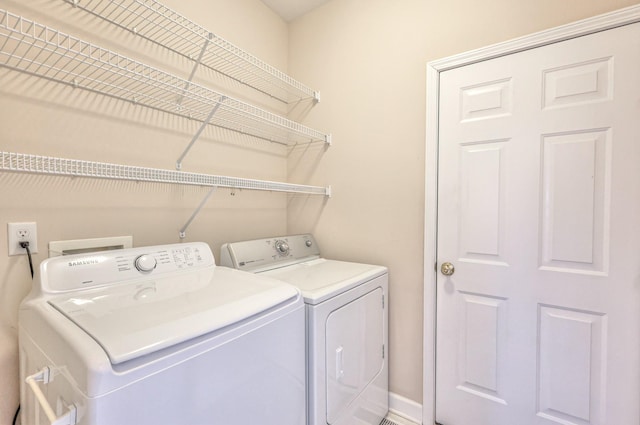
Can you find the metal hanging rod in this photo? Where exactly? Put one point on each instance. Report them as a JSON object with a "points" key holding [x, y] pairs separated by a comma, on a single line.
{"points": [[161, 25], [33, 48], [36, 164]]}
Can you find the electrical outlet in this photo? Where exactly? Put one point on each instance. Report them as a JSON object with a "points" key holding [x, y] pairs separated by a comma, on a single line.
{"points": [[22, 232]]}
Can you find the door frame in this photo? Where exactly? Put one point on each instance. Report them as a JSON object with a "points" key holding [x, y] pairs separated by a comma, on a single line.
{"points": [[625, 16]]}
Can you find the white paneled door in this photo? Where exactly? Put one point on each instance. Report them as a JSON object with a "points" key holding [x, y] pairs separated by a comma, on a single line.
{"points": [[539, 216]]}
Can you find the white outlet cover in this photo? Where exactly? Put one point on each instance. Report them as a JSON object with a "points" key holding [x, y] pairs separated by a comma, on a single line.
{"points": [[13, 237]]}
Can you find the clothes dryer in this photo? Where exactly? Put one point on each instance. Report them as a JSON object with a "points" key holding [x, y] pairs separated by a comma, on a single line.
{"points": [[160, 335], [347, 322]]}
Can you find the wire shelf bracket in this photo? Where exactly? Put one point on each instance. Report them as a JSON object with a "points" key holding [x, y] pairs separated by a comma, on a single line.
{"points": [[198, 133], [195, 68], [183, 230]]}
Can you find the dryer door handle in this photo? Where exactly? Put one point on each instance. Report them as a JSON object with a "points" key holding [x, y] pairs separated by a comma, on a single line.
{"points": [[339, 363], [45, 376]]}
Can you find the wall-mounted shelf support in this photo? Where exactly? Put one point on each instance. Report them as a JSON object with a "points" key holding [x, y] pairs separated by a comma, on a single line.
{"points": [[183, 230], [198, 133], [195, 68]]}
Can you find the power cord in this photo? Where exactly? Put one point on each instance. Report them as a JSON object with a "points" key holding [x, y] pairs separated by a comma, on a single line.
{"points": [[15, 417], [24, 245]]}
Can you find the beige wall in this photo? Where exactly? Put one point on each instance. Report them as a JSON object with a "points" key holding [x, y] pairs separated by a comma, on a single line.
{"points": [[368, 59], [46, 118]]}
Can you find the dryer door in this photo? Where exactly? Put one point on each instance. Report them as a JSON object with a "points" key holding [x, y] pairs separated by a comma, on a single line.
{"points": [[354, 350]]}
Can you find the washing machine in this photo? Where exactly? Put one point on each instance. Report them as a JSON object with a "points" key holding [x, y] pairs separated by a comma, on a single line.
{"points": [[160, 335], [346, 314]]}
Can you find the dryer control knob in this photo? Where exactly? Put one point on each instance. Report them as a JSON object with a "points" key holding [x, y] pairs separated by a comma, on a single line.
{"points": [[282, 247], [145, 263]]}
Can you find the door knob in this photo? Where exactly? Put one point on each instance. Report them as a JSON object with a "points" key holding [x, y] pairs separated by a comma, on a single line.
{"points": [[447, 269]]}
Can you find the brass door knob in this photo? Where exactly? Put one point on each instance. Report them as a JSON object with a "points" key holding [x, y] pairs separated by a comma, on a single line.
{"points": [[447, 269]]}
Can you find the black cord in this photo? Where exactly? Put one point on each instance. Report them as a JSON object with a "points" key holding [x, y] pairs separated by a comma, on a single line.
{"points": [[25, 245], [15, 417]]}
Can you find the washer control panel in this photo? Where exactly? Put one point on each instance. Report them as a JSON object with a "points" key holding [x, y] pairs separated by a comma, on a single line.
{"points": [[75, 272], [264, 254]]}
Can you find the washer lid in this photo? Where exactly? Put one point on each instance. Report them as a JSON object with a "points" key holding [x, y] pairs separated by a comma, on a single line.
{"points": [[141, 317], [321, 279]]}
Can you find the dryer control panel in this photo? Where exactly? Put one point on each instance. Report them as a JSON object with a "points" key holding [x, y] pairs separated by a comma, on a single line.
{"points": [[73, 272], [270, 253]]}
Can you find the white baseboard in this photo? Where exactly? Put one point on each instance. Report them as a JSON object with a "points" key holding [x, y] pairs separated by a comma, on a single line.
{"points": [[405, 408]]}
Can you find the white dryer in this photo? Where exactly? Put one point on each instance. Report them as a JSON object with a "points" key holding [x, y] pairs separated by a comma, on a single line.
{"points": [[160, 335], [347, 372]]}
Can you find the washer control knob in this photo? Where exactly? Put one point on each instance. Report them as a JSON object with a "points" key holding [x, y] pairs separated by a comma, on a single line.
{"points": [[308, 243], [145, 263], [282, 247]]}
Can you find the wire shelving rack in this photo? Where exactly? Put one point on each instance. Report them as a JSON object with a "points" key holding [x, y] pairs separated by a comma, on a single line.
{"points": [[36, 164], [36, 49], [164, 26]]}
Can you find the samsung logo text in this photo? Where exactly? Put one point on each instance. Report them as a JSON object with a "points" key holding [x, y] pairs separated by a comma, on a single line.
{"points": [[83, 262]]}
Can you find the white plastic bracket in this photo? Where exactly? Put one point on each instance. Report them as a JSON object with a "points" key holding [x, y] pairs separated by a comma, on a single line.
{"points": [[45, 376], [183, 230], [327, 139], [199, 132], [316, 96]]}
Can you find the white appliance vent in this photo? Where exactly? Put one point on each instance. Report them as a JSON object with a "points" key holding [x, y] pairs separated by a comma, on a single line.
{"points": [[81, 246]]}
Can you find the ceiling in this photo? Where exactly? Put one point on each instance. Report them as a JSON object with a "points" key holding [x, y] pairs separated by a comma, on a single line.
{"points": [[291, 9]]}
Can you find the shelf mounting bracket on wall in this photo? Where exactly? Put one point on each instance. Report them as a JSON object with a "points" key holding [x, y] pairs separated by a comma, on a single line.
{"points": [[195, 67], [327, 140], [183, 230], [199, 132]]}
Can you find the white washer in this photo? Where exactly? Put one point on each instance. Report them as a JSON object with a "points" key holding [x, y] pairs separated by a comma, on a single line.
{"points": [[160, 335], [347, 372]]}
